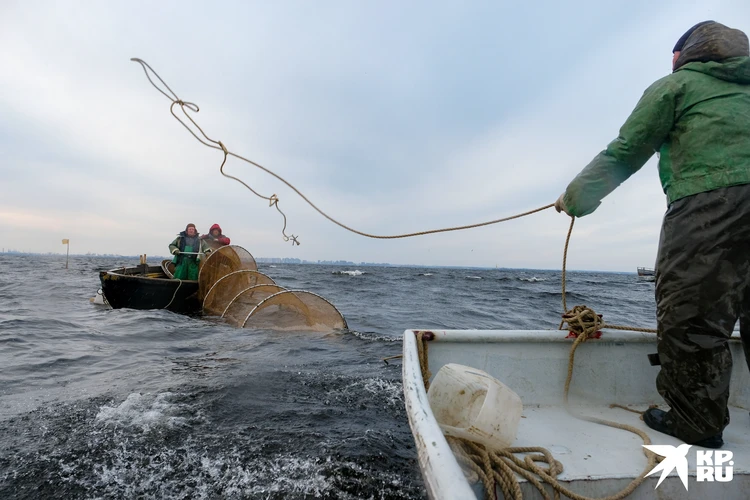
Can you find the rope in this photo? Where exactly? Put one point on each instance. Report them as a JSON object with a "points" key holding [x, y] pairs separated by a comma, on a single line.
{"points": [[174, 294], [499, 467], [424, 362], [274, 200], [397, 356], [581, 319]]}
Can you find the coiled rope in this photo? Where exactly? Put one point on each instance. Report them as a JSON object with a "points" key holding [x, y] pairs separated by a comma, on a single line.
{"points": [[274, 199]]}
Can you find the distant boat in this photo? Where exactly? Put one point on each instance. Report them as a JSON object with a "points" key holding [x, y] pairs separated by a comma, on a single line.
{"points": [[645, 271], [646, 274]]}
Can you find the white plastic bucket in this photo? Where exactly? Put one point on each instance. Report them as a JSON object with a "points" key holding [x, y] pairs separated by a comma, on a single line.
{"points": [[468, 403]]}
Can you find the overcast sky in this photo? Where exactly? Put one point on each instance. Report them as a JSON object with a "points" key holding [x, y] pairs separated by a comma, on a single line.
{"points": [[392, 117]]}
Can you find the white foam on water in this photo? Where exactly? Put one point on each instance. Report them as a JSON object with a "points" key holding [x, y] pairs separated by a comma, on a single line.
{"points": [[355, 272], [374, 336], [144, 411], [387, 394], [473, 277], [533, 279], [191, 471], [392, 390]]}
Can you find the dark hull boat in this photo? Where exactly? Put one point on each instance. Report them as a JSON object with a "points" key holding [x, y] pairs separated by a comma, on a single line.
{"points": [[149, 287]]}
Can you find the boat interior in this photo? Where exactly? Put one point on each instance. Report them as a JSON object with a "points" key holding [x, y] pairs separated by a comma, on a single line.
{"points": [[598, 460]]}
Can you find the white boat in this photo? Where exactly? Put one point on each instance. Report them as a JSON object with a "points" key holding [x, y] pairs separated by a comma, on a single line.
{"points": [[598, 460]]}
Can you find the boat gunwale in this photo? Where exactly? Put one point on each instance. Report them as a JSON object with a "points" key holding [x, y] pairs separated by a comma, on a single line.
{"points": [[115, 272], [450, 483]]}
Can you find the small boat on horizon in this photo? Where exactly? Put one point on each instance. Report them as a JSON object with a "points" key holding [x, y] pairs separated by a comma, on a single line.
{"points": [[646, 271], [646, 274]]}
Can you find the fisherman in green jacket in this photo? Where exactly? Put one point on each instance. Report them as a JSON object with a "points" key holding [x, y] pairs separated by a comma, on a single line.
{"points": [[698, 120], [188, 249]]}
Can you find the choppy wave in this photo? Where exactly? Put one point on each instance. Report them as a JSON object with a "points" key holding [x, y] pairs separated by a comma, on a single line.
{"points": [[101, 403], [145, 412], [374, 336], [355, 272]]}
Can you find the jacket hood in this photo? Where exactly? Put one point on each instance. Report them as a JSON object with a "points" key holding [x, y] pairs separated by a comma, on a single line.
{"points": [[718, 51], [215, 226]]}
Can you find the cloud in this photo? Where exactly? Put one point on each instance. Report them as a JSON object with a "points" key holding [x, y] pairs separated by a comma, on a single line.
{"points": [[391, 117]]}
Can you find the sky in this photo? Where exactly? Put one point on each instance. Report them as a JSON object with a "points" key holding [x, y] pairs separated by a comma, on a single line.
{"points": [[392, 117]]}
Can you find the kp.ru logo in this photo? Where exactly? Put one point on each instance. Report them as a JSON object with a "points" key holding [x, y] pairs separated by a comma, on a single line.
{"points": [[711, 465]]}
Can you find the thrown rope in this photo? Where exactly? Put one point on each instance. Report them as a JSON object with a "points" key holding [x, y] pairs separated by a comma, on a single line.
{"points": [[274, 200]]}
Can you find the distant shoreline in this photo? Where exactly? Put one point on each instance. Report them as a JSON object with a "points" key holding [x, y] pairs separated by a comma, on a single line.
{"points": [[295, 261]]}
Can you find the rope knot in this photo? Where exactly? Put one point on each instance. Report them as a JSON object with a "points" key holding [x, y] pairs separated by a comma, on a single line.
{"points": [[291, 238], [583, 320], [273, 200]]}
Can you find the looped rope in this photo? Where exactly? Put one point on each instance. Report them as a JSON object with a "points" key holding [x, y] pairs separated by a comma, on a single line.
{"points": [[583, 320], [211, 143]]}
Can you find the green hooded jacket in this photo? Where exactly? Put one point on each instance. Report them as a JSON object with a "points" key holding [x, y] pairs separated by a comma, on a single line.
{"points": [[697, 119]]}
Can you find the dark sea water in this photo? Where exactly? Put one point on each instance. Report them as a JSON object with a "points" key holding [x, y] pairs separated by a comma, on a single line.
{"points": [[102, 403]]}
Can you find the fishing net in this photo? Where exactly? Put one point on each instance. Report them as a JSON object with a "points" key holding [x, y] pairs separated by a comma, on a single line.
{"points": [[232, 287], [228, 287], [297, 311], [242, 305], [221, 262]]}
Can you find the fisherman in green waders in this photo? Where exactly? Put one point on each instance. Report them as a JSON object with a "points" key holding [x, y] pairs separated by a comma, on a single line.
{"points": [[698, 120], [188, 249]]}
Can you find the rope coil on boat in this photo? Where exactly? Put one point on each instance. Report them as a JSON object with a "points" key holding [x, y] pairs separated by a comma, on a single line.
{"points": [[499, 467]]}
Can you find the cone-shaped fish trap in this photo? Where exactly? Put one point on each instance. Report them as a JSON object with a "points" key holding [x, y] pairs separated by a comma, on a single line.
{"points": [[233, 288]]}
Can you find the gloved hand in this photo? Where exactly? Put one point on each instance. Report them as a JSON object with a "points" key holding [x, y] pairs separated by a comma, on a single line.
{"points": [[176, 251], [560, 205]]}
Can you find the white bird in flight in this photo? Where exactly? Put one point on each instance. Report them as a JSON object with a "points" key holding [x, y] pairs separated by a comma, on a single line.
{"points": [[674, 458]]}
